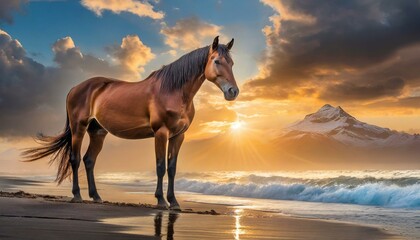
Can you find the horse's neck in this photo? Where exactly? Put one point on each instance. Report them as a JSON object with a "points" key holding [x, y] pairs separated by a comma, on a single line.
{"points": [[191, 89]]}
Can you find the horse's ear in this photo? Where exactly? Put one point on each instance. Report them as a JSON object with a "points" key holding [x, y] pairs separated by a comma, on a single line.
{"points": [[230, 44], [215, 43]]}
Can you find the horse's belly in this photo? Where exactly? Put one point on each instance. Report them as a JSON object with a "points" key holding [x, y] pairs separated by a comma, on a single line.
{"points": [[128, 128], [134, 133]]}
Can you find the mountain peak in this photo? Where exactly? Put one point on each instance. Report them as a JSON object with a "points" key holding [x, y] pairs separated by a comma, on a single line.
{"points": [[328, 113], [326, 106], [330, 107]]}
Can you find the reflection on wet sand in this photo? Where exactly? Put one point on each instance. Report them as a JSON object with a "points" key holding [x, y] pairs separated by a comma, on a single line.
{"points": [[238, 228], [240, 224], [237, 231], [172, 217], [158, 224]]}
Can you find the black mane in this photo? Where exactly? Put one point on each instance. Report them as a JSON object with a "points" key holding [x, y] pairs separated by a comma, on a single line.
{"points": [[187, 68]]}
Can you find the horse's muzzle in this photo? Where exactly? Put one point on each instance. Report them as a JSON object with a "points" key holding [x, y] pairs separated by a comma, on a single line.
{"points": [[231, 93], [229, 90]]}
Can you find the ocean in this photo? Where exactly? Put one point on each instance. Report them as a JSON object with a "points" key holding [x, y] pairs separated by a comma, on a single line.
{"points": [[386, 199]]}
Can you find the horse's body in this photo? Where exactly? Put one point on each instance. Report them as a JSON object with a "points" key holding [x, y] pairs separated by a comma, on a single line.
{"points": [[161, 106], [129, 110]]}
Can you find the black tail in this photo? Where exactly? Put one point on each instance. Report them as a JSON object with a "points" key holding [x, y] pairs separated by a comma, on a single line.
{"points": [[58, 147]]}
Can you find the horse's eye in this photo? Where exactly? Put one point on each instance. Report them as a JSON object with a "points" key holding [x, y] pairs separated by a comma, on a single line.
{"points": [[217, 61]]}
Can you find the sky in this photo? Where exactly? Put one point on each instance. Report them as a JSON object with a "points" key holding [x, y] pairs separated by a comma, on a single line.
{"points": [[291, 58]]}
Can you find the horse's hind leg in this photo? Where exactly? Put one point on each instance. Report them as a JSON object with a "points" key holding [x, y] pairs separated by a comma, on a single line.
{"points": [[78, 130], [97, 136]]}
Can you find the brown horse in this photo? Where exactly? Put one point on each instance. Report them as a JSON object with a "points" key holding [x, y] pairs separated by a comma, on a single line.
{"points": [[161, 106]]}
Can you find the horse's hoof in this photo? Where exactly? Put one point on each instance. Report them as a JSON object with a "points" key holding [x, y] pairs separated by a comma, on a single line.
{"points": [[97, 200], [162, 205], [175, 207], [76, 200]]}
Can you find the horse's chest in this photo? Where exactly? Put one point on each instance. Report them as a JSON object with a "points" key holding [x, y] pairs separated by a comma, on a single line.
{"points": [[177, 122]]}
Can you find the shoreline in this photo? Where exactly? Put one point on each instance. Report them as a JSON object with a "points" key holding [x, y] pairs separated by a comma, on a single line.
{"points": [[111, 219], [65, 199]]}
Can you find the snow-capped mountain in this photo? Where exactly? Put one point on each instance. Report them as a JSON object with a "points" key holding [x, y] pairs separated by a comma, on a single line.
{"points": [[334, 123]]}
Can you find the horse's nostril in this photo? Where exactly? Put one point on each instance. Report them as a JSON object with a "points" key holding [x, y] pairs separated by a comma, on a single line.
{"points": [[233, 91]]}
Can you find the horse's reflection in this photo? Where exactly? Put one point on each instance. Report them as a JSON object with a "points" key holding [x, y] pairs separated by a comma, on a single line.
{"points": [[171, 222]]}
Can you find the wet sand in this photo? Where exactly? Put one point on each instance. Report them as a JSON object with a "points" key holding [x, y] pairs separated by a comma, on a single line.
{"points": [[30, 216]]}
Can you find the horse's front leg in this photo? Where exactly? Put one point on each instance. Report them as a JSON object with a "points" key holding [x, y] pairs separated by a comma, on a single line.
{"points": [[161, 139], [173, 150]]}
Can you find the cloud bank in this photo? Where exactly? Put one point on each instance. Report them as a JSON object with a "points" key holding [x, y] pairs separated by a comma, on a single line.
{"points": [[340, 51]]}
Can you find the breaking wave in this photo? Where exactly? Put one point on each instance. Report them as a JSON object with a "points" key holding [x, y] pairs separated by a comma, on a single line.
{"points": [[385, 192]]}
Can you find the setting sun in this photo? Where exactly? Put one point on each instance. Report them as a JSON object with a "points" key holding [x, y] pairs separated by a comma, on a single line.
{"points": [[235, 126]]}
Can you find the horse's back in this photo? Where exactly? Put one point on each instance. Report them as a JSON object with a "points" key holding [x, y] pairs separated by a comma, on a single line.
{"points": [[122, 108], [80, 98], [90, 85]]}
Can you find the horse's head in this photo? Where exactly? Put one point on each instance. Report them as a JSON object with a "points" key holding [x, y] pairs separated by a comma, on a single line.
{"points": [[219, 69]]}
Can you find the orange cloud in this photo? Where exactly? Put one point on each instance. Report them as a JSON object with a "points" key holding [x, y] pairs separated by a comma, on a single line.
{"points": [[139, 8], [286, 13], [132, 54], [129, 57], [190, 33], [63, 44], [283, 13]]}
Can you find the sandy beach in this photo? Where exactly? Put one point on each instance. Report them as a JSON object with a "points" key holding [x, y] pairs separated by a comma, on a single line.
{"points": [[35, 216]]}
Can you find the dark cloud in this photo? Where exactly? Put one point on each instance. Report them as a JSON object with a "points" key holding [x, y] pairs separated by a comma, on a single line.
{"points": [[70, 58], [258, 89], [413, 102], [28, 90], [32, 96], [404, 102], [351, 33], [339, 44], [7, 7], [349, 91]]}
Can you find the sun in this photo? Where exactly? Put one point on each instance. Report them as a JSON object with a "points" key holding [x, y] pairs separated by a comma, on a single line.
{"points": [[236, 126]]}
